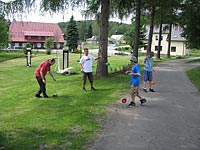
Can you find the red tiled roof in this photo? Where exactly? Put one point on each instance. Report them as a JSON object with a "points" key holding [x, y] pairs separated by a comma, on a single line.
{"points": [[38, 33], [19, 30]]}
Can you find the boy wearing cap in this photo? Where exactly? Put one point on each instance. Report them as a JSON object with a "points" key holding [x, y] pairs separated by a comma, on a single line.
{"points": [[134, 81]]}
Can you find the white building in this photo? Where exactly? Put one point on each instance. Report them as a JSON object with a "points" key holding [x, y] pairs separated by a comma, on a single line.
{"points": [[117, 39], [178, 43]]}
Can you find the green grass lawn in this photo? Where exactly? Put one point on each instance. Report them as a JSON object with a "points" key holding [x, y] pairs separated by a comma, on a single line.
{"points": [[194, 74], [68, 121], [10, 55]]}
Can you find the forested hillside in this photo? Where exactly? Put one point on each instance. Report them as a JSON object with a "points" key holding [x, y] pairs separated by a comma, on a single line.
{"points": [[89, 28]]}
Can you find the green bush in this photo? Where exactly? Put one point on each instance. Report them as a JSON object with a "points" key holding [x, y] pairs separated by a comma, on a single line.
{"points": [[28, 45]]}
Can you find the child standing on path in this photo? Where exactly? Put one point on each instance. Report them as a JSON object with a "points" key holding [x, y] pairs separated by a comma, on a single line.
{"points": [[135, 82], [148, 71]]}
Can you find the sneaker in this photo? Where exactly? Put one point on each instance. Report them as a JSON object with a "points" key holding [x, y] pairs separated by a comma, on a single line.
{"points": [[145, 90], [46, 96], [131, 104], [84, 90], [142, 101], [38, 96], [93, 89], [151, 90]]}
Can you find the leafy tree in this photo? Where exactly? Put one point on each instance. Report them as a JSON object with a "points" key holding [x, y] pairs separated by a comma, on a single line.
{"points": [[190, 22], [56, 39], [150, 10], [114, 28], [142, 37], [72, 35], [82, 29], [169, 14], [49, 45], [4, 32], [137, 27], [154, 9], [119, 28], [89, 31], [102, 68], [125, 8], [129, 36], [107, 9], [160, 36], [28, 45], [103, 14]]}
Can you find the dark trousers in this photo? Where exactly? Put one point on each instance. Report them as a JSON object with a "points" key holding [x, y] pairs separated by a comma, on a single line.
{"points": [[89, 75], [42, 88]]}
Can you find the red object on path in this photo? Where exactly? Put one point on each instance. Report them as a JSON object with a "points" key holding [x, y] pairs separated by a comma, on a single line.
{"points": [[153, 83], [124, 100]]}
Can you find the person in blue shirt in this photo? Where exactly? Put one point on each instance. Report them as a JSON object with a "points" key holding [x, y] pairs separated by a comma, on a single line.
{"points": [[148, 71], [134, 81]]}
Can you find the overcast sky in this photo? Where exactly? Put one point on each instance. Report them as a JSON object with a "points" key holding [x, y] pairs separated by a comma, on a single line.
{"points": [[36, 16]]}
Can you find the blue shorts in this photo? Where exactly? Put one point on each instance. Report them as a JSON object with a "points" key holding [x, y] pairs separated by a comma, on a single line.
{"points": [[148, 76]]}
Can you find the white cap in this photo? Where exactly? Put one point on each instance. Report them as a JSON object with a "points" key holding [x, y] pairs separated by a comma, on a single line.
{"points": [[134, 59]]}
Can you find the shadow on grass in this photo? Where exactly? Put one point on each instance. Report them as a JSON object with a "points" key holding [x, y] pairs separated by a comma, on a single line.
{"points": [[3, 140], [42, 139]]}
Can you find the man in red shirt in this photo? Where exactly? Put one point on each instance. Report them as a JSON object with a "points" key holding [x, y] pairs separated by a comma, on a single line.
{"points": [[40, 74]]}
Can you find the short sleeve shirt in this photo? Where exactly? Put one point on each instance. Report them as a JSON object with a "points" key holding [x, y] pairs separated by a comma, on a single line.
{"points": [[44, 67], [135, 80], [149, 63], [87, 62]]}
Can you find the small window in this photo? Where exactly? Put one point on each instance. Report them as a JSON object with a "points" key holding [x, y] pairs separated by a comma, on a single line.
{"points": [[173, 49], [145, 47], [156, 48], [156, 37], [29, 37], [39, 37]]}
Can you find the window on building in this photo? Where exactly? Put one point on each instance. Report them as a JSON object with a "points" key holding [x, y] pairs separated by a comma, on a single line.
{"points": [[173, 49], [29, 37], [157, 37], [145, 47], [39, 37], [156, 48]]}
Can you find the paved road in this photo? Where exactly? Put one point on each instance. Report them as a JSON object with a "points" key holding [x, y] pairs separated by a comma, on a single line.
{"points": [[170, 120]]}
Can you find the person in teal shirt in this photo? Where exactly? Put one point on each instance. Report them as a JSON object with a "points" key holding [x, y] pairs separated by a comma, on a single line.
{"points": [[148, 71]]}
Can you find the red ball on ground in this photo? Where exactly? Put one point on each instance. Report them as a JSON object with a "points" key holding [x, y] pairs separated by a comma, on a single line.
{"points": [[124, 100]]}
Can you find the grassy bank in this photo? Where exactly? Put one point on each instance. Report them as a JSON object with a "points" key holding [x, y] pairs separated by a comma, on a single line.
{"points": [[194, 74], [4, 55]]}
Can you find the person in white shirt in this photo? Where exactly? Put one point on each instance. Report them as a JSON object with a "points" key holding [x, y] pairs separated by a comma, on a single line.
{"points": [[86, 62]]}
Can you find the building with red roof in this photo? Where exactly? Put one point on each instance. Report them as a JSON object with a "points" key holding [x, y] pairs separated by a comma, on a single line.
{"points": [[35, 33]]}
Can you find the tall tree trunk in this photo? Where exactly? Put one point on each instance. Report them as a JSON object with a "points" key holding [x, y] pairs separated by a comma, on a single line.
{"points": [[169, 40], [151, 28], [137, 28], [102, 68], [160, 37]]}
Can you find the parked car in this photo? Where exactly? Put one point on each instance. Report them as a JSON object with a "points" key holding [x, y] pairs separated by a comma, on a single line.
{"points": [[120, 53]]}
